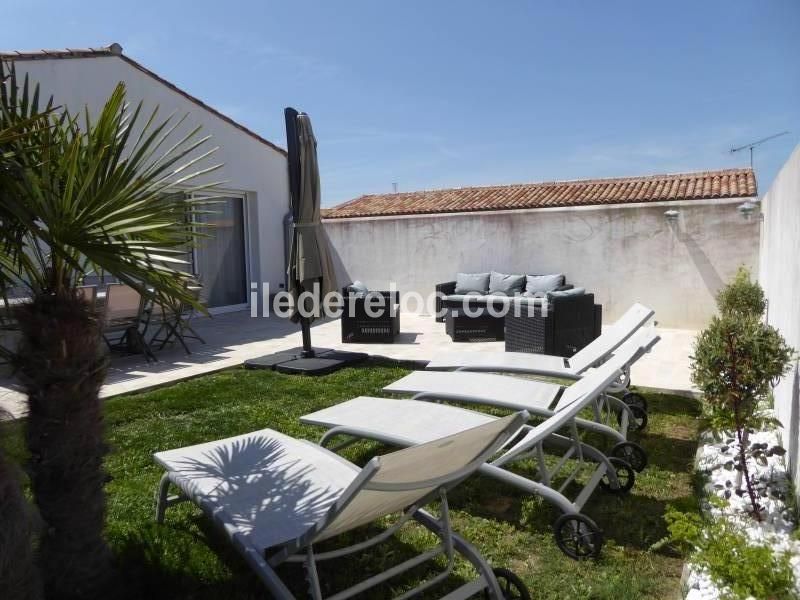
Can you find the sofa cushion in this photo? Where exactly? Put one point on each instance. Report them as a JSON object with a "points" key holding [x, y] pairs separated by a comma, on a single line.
{"points": [[472, 282], [579, 291], [530, 300], [543, 283], [505, 285], [358, 289], [470, 299]]}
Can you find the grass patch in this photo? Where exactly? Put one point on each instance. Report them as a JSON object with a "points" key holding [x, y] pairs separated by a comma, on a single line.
{"points": [[186, 559]]}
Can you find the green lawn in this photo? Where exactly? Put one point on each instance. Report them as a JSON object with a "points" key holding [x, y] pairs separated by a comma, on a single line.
{"points": [[185, 558]]}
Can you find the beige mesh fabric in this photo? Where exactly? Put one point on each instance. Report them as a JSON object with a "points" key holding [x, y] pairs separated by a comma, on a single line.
{"points": [[267, 486], [629, 352], [122, 303], [500, 361], [88, 293], [431, 460], [588, 387], [410, 422], [503, 390], [611, 338]]}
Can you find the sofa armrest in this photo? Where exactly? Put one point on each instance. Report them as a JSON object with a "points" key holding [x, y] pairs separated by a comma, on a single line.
{"points": [[566, 286], [442, 289], [446, 288]]}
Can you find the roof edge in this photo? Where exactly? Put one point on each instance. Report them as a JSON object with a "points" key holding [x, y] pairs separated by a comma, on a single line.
{"points": [[115, 49], [353, 208], [553, 182]]}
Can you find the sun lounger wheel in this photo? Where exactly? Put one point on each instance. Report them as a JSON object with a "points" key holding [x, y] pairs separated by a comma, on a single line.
{"points": [[578, 536], [632, 453], [637, 419], [635, 399], [511, 585], [625, 475]]}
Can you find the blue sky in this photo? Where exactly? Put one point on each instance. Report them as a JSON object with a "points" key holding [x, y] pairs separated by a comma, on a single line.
{"points": [[455, 93]]}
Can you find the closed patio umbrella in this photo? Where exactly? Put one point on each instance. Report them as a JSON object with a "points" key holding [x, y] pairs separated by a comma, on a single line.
{"points": [[310, 267]]}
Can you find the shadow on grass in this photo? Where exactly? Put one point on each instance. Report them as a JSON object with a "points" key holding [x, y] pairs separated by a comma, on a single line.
{"points": [[164, 562], [665, 404], [161, 562], [630, 520], [668, 453]]}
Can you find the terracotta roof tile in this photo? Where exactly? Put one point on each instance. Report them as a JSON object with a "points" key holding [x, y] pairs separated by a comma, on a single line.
{"points": [[730, 183]]}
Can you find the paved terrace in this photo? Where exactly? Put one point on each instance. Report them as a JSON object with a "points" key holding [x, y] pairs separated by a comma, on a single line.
{"points": [[234, 337]]}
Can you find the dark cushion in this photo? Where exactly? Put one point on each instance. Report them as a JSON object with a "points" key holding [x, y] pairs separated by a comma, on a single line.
{"points": [[505, 285], [472, 282], [543, 283], [579, 291], [357, 288]]}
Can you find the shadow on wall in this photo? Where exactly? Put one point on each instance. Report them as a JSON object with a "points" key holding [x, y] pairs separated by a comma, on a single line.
{"points": [[791, 426], [342, 275], [708, 273]]}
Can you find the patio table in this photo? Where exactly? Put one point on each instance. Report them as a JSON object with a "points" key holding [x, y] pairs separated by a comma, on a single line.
{"points": [[477, 326]]}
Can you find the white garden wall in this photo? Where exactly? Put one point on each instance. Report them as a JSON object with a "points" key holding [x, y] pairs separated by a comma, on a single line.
{"points": [[621, 253], [780, 276]]}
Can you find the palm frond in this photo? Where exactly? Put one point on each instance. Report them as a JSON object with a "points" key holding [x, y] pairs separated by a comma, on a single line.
{"points": [[100, 197]]}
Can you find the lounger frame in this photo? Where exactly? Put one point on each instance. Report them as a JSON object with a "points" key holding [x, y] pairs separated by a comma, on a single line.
{"points": [[531, 445], [605, 408], [572, 446], [301, 549]]}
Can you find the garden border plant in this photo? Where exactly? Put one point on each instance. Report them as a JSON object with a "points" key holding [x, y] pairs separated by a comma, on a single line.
{"points": [[739, 567], [736, 360]]}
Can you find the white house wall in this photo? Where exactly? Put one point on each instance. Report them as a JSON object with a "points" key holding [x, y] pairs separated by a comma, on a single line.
{"points": [[780, 277], [249, 166], [623, 253]]}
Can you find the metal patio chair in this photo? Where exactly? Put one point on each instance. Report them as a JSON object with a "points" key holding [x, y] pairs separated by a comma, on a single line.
{"points": [[175, 323], [127, 314]]}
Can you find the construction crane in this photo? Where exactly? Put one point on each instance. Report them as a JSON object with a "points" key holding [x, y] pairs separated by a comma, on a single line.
{"points": [[757, 143]]}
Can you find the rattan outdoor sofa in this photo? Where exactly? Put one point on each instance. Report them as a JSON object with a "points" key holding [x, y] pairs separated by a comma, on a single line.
{"points": [[533, 313]]}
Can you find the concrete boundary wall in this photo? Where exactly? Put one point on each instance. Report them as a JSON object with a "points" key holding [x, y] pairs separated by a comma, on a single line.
{"points": [[780, 275], [621, 253]]}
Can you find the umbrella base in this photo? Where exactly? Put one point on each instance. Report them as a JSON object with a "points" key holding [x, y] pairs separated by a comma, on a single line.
{"points": [[324, 361]]}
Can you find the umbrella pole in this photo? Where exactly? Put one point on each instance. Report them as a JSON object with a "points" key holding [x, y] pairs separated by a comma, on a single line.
{"points": [[305, 326]]}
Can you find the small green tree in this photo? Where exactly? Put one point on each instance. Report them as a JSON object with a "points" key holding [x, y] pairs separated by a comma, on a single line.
{"points": [[735, 360], [742, 296]]}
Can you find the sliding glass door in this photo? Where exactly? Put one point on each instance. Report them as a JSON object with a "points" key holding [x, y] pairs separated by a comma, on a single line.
{"points": [[221, 259]]}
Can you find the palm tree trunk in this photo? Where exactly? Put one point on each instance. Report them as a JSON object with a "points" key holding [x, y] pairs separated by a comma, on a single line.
{"points": [[18, 575], [62, 368]]}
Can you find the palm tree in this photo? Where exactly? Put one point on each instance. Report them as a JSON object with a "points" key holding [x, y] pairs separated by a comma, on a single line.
{"points": [[106, 195], [18, 574]]}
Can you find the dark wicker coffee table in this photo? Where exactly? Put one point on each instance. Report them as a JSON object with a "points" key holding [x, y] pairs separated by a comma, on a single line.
{"points": [[480, 326]]}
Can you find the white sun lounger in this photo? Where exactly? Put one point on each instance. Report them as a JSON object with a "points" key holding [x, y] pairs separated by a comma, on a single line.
{"points": [[410, 422], [612, 417], [275, 497], [543, 364]]}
